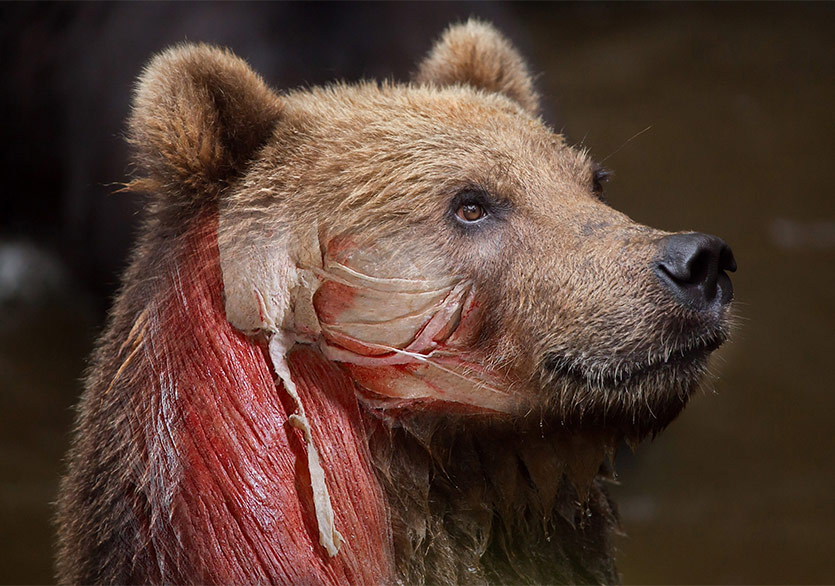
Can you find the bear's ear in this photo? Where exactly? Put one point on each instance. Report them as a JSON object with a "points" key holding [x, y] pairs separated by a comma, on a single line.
{"points": [[199, 114], [476, 54]]}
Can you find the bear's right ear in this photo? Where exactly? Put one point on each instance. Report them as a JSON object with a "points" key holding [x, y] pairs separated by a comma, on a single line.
{"points": [[475, 53], [199, 114]]}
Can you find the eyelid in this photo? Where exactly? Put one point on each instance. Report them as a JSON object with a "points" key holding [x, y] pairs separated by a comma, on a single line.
{"points": [[470, 196]]}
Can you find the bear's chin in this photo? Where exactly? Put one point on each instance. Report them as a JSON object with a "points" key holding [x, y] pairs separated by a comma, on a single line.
{"points": [[635, 403]]}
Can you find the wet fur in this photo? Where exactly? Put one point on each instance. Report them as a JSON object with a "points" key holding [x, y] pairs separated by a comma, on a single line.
{"points": [[486, 501]]}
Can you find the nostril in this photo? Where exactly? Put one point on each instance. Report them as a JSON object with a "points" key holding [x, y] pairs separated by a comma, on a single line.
{"points": [[692, 266], [727, 262]]}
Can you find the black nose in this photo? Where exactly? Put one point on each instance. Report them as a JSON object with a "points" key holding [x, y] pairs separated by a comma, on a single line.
{"points": [[692, 266]]}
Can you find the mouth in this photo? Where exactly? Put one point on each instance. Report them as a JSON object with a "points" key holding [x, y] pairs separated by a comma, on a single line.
{"points": [[683, 361]]}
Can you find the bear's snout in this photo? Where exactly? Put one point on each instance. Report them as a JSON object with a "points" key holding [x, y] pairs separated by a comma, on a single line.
{"points": [[693, 268]]}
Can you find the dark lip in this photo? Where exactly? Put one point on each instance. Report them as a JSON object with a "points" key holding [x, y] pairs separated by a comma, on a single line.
{"points": [[613, 376]]}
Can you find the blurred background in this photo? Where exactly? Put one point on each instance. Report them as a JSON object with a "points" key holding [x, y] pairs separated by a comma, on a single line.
{"points": [[713, 117]]}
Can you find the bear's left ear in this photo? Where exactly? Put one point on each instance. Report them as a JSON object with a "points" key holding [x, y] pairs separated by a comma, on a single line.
{"points": [[476, 54]]}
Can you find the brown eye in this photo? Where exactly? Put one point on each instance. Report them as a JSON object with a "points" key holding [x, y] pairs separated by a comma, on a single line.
{"points": [[470, 212]]}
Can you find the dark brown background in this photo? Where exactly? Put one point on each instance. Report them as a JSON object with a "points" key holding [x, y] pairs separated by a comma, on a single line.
{"points": [[738, 99]]}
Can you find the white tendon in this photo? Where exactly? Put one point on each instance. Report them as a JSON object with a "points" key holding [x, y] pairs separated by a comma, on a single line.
{"points": [[329, 537]]}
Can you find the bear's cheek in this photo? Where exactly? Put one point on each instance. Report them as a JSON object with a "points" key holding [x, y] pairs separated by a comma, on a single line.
{"points": [[410, 349]]}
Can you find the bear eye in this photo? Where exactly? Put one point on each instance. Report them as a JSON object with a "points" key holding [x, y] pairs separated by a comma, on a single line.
{"points": [[474, 207], [471, 206], [470, 212], [598, 178]]}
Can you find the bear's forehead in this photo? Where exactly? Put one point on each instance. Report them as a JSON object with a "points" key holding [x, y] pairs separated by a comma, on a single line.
{"points": [[417, 111], [456, 126]]}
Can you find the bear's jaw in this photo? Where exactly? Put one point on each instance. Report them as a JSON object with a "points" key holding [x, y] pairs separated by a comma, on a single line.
{"points": [[632, 395], [620, 372]]}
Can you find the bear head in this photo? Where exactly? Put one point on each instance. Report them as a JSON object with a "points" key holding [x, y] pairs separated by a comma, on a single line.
{"points": [[437, 239]]}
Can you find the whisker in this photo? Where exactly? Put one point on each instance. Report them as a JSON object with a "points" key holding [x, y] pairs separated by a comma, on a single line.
{"points": [[620, 148]]}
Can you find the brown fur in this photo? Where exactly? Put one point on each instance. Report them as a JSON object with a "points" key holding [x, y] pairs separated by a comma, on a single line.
{"points": [[472, 54], [586, 340]]}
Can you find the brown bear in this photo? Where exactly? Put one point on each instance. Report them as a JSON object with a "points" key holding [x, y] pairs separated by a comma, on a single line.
{"points": [[375, 333]]}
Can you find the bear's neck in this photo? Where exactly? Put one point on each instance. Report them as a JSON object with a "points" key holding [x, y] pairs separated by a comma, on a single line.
{"points": [[492, 501]]}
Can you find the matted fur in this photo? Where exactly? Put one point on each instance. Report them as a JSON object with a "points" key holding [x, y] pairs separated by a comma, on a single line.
{"points": [[184, 467]]}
